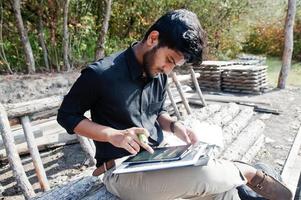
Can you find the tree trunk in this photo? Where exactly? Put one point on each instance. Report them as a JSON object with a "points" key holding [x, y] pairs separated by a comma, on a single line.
{"points": [[288, 44], [53, 13], [42, 42], [66, 36], [104, 29], [24, 37]]}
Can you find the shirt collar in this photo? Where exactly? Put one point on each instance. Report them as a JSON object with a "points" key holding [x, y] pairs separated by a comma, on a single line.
{"points": [[136, 70]]}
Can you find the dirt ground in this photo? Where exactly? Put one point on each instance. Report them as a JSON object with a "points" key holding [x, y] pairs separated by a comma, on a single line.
{"points": [[65, 162]]}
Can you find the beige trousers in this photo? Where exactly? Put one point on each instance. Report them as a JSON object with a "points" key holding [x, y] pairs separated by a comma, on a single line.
{"points": [[217, 180]]}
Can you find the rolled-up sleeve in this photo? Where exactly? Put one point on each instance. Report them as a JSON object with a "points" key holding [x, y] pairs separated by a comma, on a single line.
{"points": [[82, 95]]}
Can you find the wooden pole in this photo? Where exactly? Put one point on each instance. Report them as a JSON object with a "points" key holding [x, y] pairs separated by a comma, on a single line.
{"points": [[197, 86], [178, 85], [86, 146], [34, 152], [173, 103], [13, 156], [288, 44]]}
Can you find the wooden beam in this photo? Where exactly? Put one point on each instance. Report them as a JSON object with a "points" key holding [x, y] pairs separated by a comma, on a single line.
{"points": [[35, 106], [291, 172], [13, 156], [34, 152], [197, 86], [173, 103], [178, 85]]}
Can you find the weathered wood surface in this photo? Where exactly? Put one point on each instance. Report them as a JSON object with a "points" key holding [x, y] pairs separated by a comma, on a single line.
{"points": [[30, 107], [197, 86], [85, 188], [248, 136], [35, 155], [13, 156], [182, 95], [173, 103]]}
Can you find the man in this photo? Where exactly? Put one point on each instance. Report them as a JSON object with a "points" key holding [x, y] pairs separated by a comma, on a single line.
{"points": [[125, 94]]}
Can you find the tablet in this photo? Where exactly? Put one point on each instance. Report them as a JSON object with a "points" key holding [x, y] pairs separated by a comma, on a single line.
{"points": [[161, 154]]}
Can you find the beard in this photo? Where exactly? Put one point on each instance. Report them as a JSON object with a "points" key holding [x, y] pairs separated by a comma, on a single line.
{"points": [[148, 61]]}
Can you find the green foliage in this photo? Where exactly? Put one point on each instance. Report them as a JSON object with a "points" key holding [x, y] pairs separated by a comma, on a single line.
{"points": [[129, 21], [268, 38]]}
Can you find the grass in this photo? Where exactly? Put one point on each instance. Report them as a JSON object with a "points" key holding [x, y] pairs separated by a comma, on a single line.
{"points": [[274, 66]]}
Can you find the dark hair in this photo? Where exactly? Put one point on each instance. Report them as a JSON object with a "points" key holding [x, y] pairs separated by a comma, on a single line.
{"points": [[180, 30]]}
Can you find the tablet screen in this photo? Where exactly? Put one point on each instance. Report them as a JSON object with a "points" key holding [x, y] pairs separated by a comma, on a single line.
{"points": [[159, 155]]}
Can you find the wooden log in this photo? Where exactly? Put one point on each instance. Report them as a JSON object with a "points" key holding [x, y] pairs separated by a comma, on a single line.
{"points": [[231, 130], [85, 188], [178, 85], [30, 107], [197, 87], [13, 157], [225, 115], [34, 152], [244, 141], [173, 103], [204, 112], [87, 148], [252, 151]]}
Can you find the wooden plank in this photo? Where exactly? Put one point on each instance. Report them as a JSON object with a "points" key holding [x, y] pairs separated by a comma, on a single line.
{"points": [[197, 87], [290, 173], [35, 155], [13, 156]]}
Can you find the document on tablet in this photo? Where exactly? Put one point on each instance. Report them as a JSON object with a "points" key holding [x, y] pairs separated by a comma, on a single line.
{"points": [[194, 155]]}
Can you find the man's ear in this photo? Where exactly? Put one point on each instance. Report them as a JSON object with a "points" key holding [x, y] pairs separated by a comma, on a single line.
{"points": [[152, 39]]}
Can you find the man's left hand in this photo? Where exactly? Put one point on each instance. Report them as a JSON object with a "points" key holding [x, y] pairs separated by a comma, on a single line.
{"points": [[184, 133]]}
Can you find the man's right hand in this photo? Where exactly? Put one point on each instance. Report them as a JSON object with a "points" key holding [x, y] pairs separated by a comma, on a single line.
{"points": [[128, 139]]}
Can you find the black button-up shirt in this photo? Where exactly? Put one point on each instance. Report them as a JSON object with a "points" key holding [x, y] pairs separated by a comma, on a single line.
{"points": [[118, 96]]}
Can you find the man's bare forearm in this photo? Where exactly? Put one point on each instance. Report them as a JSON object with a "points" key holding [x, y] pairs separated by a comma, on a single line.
{"points": [[93, 130]]}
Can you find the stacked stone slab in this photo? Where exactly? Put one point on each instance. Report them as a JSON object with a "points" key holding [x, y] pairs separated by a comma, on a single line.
{"points": [[248, 79], [210, 74]]}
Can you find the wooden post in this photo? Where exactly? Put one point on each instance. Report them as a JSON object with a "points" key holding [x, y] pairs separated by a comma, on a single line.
{"points": [[13, 156], [178, 85], [34, 152], [197, 86], [173, 103], [86, 146], [288, 44]]}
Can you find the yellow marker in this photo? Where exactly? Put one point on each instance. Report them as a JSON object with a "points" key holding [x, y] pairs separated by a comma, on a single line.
{"points": [[142, 138]]}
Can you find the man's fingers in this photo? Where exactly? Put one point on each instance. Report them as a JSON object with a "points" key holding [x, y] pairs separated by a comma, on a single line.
{"points": [[147, 147], [130, 149]]}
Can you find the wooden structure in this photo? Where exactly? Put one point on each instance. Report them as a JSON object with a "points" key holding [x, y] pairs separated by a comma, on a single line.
{"points": [[44, 108], [244, 79], [22, 112]]}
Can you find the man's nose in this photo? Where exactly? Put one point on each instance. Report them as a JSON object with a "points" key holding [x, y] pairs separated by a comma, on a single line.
{"points": [[168, 68]]}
